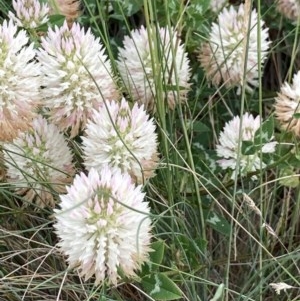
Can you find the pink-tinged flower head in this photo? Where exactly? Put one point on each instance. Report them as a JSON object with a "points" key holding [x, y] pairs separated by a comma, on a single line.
{"points": [[39, 163], [122, 138], [227, 53], [231, 142], [288, 104], [77, 76], [289, 8], [143, 65], [19, 81], [104, 225], [29, 13]]}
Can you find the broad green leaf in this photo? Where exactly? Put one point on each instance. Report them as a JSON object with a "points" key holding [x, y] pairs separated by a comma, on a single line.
{"points": [[57, 20], [156, 257], [288, 177], [248, 148], [296, 115], [199, 127], [195, 14], [265, 132], [160, 287], [218, 223]]}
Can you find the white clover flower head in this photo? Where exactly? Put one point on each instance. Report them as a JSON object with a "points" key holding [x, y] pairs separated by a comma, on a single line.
{"points": [[29, 13], [230, 143], [39, 162], [77, 76], [217, 5], [289, 9], [141, 69], [19, 81], [122, 138], [287, 103], [224, 56], [104, 225]]}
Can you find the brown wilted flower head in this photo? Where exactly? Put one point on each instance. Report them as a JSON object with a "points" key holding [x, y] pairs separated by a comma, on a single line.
{"points": [[68, 8], [289, 9]]}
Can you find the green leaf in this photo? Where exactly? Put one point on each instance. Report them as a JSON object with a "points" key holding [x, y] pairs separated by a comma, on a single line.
{"points": [[248, 148], [160, 287], [265, 132], [156, 257], [53, 20], [199, 127], [296, 115], [218, 223], [57, 20], [288, 177], [195, 14]]}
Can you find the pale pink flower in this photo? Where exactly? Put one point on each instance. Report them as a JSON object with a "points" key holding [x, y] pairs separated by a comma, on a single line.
{"points": [[123, 138], [288, 104], [19, 81], [29, 13], [77, 76], [104, 225], [39, 163], [289, 8], [230, 143], [141, 68], [226, 54]]}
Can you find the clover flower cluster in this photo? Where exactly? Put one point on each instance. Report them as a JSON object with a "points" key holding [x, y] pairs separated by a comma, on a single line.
{"points": [[76, 75], [20, 78], [29, 13], [39, 162], [235, 132], [50, 94], [103, 224], [230, 56], [66, 88], [142, 73], [287, 105]]}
